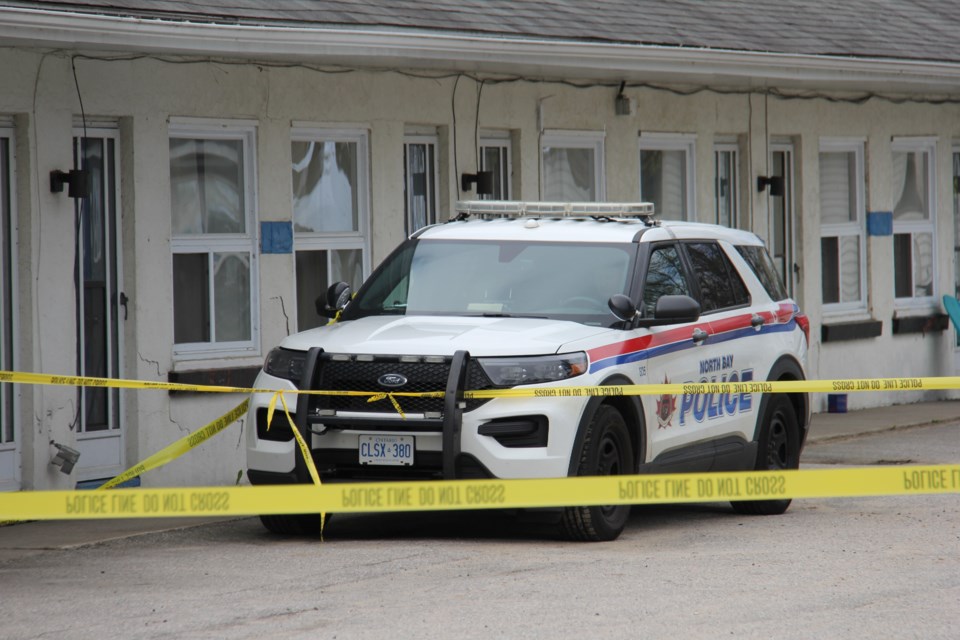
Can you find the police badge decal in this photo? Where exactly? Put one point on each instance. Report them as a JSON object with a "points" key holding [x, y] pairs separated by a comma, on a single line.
{"points": [[666, 407]]}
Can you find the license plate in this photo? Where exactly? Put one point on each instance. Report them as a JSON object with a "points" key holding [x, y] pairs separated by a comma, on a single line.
{"points": [[386, 450]]}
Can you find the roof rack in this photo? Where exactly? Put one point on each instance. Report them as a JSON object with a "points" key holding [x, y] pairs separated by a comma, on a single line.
{"points": [[516, 209]]}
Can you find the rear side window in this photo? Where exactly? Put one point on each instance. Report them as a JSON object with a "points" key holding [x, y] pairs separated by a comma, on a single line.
{"points": [[765, 270], [720, 285]]}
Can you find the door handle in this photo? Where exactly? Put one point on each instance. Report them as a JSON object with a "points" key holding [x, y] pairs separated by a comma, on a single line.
{"points": [[123, 303], [756, 321], [699, 335]]}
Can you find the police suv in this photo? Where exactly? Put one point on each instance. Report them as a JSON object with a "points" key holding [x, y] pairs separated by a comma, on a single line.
{"points": [[514, 294]]}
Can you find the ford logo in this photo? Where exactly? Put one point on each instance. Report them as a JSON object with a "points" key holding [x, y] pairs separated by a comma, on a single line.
{"points": [[392, 380]]}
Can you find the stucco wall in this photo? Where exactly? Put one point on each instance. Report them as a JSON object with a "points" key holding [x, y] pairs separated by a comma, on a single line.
{"points": [[142, 94]]}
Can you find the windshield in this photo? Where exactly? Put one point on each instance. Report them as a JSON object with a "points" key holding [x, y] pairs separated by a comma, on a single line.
{"points": [[489, 278]]}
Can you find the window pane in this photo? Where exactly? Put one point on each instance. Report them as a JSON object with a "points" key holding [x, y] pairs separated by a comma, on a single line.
{"points": [[206, 186], [850, 268], [726, 188], [231, 286], [838, 196], [313, 280], [325, 186], [829, 254], [420, 197], [913, 265], [663, 181], [494, 159], [911, 181], [779, 214], [569, 174], [664, 277], [191, 298]]}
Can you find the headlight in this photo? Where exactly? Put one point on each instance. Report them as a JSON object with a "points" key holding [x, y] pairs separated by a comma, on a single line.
{"points": [[286, 364], [510, 372]]}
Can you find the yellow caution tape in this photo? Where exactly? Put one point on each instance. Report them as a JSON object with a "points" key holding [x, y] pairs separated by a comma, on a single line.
{"points": [[180, 447], [783, 386], [483, 494], [304, 449]]}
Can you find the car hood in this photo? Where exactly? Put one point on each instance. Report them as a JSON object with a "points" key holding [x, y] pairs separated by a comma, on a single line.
{"points": [[443, 336]]}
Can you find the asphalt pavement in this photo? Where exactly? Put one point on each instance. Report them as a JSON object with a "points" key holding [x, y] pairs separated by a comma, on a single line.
{"points": [[31, 537]]}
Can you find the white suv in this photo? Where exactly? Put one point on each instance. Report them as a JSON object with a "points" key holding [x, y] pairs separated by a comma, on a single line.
{"points": [[514, 294]]}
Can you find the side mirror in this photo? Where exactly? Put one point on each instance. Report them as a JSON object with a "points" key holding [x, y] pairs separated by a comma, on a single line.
{"points": [[622, 307], [338, 295], [673, 310]]}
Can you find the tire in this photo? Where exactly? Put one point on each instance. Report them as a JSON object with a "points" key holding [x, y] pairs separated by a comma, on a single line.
{"points": [[606, 451], [310, 524], [779, 449]]}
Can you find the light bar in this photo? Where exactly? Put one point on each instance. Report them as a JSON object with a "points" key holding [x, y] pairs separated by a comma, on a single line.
{"points": [[516, 209]]}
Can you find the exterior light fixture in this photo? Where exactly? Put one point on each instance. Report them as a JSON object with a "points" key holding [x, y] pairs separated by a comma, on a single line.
{"points": [[622, 105], [774, 182], [77, 181], [65, 458], [483, 180]]}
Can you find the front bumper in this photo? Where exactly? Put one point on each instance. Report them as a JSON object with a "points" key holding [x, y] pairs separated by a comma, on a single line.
{"points": [[461, 443]]}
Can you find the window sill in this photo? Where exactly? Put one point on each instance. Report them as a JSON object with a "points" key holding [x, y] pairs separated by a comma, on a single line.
{"points": [[227, 377], [856, 330], [920, 324]]}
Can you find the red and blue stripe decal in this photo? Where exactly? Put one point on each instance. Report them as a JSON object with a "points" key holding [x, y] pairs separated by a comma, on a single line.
{"points": [[673, 340]]}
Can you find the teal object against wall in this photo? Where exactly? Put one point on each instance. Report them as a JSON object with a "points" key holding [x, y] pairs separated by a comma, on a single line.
{"points": [[952, 305]]}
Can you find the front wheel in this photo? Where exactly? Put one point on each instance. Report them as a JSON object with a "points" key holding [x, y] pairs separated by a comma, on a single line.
{"points": [[295, 524], [606, 451], [779, 449]]}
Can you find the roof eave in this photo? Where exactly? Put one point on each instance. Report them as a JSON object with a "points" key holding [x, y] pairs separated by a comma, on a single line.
{"points": [[537, 58]]}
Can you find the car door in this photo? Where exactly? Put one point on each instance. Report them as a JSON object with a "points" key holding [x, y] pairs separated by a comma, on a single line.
{"points": [[732, 351], [672, 356]]}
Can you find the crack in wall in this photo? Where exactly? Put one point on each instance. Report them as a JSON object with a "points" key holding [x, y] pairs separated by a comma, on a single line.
{"points": [[155, 363], [283, 310]]}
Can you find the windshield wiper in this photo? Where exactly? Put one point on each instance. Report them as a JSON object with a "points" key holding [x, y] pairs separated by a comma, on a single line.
{"points": [[497, 314]]}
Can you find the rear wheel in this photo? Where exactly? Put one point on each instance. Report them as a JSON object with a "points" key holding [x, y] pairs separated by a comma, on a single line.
{"points": [[606, 451], [779, 449]]}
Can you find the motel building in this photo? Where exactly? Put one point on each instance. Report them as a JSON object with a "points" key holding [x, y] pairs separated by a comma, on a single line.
{"points": [[180, 180]]}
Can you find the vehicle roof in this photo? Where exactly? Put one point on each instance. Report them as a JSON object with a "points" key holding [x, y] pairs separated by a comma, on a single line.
{"points": [[582, 230]]}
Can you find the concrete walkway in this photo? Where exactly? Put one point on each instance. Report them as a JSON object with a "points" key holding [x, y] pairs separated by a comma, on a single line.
{"points": [[33, 537]]}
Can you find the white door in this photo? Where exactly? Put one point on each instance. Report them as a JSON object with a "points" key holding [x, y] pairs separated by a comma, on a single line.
{"points": [[9, 429], [781, 227], [101, 305]]}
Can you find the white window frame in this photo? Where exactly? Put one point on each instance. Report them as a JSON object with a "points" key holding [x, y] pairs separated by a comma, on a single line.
{"points": [[413, 137], [337, 241], [674, 142], [576, 140], [855, 228], [734, 149], [922, 145], [209, 244], [500, 140], [10, 452]]}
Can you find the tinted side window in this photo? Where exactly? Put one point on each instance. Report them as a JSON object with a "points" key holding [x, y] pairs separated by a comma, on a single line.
{"points": [[720, 285], [763, 266], [664, 277]]}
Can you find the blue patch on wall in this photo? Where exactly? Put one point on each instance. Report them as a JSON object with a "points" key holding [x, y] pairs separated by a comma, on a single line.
{"points": [[276, 237], [880, 223]]}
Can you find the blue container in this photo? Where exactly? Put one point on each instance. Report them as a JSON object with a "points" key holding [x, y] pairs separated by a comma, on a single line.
{"points": [[836, 403]]}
